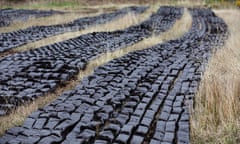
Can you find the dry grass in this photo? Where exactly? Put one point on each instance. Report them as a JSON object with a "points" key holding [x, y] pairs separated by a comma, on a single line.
{"points": [[118, 24], [17, 117], [217, 109]]}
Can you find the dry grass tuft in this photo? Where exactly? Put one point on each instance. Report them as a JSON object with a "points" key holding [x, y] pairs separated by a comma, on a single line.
{"points": [[17, 117], [216, 116]]}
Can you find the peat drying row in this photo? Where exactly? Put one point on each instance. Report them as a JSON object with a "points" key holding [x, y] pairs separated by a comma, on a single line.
{"points": [[142, 97], [7, 16], [27, 75], [20, 37]]}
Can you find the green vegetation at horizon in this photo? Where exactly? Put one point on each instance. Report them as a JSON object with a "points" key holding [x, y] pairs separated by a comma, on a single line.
{"points": [[46, 5]]}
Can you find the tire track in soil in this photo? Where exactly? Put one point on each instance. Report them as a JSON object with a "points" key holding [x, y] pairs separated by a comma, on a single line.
{"points": [[121, 99]]}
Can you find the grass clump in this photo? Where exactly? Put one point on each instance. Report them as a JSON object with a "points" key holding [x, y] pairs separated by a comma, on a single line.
{"points": [[216, 118]]}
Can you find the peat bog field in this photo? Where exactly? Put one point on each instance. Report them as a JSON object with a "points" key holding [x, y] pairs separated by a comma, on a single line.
{"points": [[143, 96]]}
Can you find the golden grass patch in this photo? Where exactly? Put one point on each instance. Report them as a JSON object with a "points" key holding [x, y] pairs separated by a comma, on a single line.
{"points": [[217, 104]]}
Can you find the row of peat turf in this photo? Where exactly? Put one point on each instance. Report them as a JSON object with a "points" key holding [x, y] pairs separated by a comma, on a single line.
{"points": [[20, 37], [142, 97], [28, 75], [7, 16]]}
